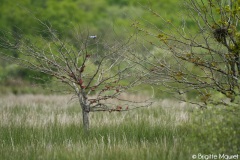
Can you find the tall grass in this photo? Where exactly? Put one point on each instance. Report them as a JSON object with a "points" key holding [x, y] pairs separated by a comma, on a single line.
{"points": [[49, 127]]}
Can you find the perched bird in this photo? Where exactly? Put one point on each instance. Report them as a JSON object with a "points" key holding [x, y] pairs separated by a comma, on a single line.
{"points": [[93, 37]]}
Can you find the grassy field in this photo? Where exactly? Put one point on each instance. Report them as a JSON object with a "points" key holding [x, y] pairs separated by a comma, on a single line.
{"points": [[49, 127]]}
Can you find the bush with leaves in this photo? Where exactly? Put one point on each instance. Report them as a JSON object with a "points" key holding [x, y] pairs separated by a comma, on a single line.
{"points": [[205, 62], [216, 130]]}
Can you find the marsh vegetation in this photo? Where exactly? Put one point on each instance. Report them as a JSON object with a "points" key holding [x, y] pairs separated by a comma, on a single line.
{"points": [[49, 127]]}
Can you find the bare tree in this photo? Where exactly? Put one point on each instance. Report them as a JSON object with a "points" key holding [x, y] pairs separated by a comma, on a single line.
{"points": [[205, 61], [96, 71]]}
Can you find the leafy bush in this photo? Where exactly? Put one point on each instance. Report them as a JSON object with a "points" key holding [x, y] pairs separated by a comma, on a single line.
{"points": [[216, 130], [13, 75]]}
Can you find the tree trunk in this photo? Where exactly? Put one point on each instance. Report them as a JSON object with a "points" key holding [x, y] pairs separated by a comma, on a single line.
{"points": [[85, 111], [85, 115]]}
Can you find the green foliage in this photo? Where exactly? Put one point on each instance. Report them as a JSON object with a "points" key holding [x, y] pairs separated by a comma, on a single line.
{"points": [[68, 16], [216, 130], [14, 72]]}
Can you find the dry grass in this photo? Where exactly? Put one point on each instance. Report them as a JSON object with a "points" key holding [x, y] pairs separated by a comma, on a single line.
{"points": [[50, 127], [40, 110]]}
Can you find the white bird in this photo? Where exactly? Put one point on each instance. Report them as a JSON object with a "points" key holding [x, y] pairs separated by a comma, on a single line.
{"points": [[93, 37]]}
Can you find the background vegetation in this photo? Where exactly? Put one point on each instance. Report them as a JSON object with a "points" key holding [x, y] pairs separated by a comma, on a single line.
{"points": [[107, 19]]}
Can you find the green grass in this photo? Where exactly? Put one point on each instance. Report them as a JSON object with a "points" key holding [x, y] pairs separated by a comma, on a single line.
{"points": [[48, 127]]}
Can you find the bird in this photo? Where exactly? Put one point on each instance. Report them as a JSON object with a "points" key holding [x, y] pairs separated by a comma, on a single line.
{"points": [[93, 37]]}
